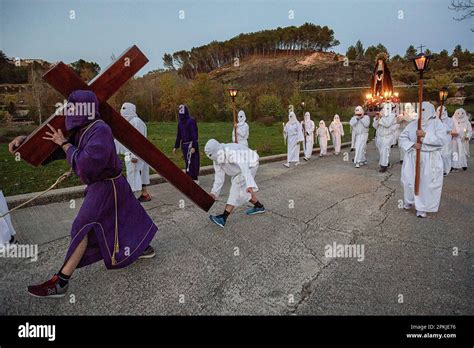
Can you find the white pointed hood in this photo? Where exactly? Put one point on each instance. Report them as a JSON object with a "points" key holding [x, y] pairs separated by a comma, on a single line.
{"points": [[444, 113], [214, 151], [128, 111], [460, 115], [427, 112], [307, 117], [241, 118], [292, 118]]}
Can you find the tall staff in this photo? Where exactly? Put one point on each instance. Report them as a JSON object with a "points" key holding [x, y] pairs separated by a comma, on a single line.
{"points": [[421, 62], [304, 128], [233, 93], [443, 95]]}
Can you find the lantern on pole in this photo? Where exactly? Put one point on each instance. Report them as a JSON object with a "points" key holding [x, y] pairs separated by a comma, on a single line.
{"points": [[303, 127], [421, 62], [233, 93]]}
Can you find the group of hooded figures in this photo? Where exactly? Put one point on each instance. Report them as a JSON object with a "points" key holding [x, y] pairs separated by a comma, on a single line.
{"points": [[305, 132], [113, 226], [444, 147]]}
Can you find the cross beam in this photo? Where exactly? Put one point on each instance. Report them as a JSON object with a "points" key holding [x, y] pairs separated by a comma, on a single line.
{"points": [[35, 150]]}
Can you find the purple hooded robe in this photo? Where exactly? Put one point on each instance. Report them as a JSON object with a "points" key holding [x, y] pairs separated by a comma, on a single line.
{"points": [[118, 228], [187, 137]]}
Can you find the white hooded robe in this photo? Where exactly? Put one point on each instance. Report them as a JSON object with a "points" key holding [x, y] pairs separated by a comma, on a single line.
{"points": [[243, 130], [403, 120], [293, 134], [431, 163], [447, 150], [323, 136], [237, 161], [337, 132], [308, 127], [462, 126], [385, 134], [360, 124], [138, 174]]}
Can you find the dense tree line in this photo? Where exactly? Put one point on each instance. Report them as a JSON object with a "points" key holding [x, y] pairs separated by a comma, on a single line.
{"points": [[9, 73], [203, 59]]}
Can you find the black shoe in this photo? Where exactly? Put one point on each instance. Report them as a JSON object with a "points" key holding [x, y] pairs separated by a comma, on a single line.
{"points": [[401, 162], [148, 253], [464, 168], [382, 169], [352, 150]]}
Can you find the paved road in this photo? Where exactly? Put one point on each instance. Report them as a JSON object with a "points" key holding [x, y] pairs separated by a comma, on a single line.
{"points": [[272, 263]]}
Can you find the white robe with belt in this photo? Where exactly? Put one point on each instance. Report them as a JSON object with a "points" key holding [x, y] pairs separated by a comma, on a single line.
{"points": [[447, 150], [431, 165], [459, 144], [138, 174], [360, 128], [384, 137], [337, 132], [323, 137], [293, 134], [309, 130], [243, 132]]}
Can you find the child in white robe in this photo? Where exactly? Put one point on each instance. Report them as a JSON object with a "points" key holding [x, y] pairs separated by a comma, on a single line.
{"points": [[308, 129], [337, 132], [323, 136], [433, 138], [360, 124], [462, 134], [293, 134]]}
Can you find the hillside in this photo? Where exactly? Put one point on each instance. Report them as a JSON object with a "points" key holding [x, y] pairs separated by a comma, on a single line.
{"points": [[308, 70]]}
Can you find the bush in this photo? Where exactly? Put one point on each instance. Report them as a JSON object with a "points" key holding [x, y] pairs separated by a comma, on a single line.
{"points": [[269, 105], [268, 121]]}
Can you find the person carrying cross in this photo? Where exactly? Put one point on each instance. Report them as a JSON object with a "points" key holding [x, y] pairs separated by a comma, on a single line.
{"points": [[111, 224]]}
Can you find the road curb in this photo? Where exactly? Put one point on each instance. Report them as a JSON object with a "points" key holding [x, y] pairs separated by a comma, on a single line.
{"points": [[73, 192]]}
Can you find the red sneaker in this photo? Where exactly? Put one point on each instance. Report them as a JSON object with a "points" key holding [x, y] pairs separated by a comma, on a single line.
{"points": [[144, 198], [51, 289]]}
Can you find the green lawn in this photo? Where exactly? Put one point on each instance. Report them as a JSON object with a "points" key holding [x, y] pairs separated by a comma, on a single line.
{"points": [[20, 177]]}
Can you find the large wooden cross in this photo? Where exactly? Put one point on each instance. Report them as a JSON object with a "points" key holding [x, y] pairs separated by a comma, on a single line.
{"points": [[35, 150]]}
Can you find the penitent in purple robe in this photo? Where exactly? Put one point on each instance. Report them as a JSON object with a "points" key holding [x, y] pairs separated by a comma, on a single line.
{"points": [[187, 137], [118, 228]]}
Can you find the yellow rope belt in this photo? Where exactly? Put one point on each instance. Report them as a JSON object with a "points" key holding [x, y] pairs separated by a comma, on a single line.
{"points": [[116, 239]]}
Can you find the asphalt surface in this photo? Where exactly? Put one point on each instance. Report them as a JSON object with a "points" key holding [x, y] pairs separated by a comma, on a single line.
{"points": [[272, 263]]}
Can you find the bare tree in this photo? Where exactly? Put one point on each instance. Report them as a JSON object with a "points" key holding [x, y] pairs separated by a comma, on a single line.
{"points": [[465, 7]]}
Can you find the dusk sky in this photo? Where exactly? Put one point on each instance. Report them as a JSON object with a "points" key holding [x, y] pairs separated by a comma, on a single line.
{"points": [[43, 28]]}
